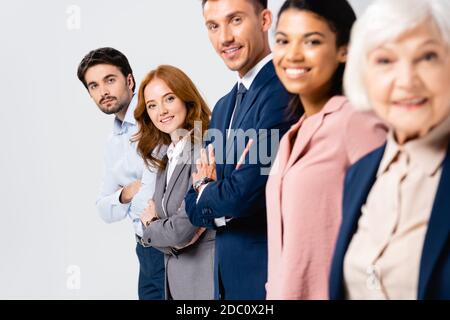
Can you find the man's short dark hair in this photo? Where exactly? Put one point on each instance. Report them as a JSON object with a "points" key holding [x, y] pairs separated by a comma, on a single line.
{"points": [[259, 4], [105, 55]]}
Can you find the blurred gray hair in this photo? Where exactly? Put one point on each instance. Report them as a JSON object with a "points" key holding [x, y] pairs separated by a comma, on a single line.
{"points": [[383, 21]]}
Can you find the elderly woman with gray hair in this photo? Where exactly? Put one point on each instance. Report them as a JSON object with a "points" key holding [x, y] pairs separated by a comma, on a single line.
{"points": [[394, 241]]}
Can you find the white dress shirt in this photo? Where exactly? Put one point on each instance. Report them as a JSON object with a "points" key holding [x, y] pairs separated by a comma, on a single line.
{"points": [[174, 154]]}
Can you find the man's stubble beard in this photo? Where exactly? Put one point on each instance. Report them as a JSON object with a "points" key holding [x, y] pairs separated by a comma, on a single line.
{"points": [[120, 106]]}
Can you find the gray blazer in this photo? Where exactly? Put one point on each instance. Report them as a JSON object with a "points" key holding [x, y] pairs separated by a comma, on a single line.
{"points": [[189, 271]]}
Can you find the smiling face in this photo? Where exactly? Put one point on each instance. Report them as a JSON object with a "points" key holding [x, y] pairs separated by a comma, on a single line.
{"points": [[166, 111], [408, 81], [305, 53], [238, 32], [109, 88]]}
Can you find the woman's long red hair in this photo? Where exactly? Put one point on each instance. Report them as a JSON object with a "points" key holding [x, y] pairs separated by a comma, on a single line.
{"points": [[149, 137]]}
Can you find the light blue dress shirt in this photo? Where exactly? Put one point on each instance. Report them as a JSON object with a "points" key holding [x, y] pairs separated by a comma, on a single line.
{"points": [[123, 165]]}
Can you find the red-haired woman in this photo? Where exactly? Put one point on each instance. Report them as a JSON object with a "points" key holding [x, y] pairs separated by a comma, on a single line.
{"points": [[172, 118]]}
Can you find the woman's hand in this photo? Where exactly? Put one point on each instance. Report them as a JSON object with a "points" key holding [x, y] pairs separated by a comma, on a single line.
{"points": [[149, 213], [197, 235]]}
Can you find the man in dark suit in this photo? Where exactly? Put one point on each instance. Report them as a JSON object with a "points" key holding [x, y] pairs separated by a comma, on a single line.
{"points": [[227, 197]]}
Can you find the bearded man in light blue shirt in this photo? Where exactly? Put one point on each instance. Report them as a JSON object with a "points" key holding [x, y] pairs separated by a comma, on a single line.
{"points": [[108, 77]]}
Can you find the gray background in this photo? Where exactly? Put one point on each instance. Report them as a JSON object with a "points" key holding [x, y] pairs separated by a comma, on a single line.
{"points": [[52, 136]]}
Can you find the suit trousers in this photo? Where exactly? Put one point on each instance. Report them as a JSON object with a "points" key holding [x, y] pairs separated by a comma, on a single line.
{"points": [[151, 273]]}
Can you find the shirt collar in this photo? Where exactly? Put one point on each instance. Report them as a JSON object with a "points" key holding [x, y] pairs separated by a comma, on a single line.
{"points": [[121, 126], [426, 153], [250, 76], [333, 105], [175, 150]]}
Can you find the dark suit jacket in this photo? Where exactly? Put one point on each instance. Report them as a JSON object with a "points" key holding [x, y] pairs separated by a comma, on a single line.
{"points": [[434, 275], [241, 246]]}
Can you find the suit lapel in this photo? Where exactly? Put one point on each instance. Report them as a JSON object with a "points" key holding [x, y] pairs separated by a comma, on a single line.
{"points": [[283, 157], [302, 141], [438, 229], [159, 191], [264, 76], [177, 172], [229, 103], [172, 182], [221, 122], [357, 189]]}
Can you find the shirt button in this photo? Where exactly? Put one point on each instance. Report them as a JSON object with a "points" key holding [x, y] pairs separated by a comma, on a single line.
{"points": [[373, 279]]}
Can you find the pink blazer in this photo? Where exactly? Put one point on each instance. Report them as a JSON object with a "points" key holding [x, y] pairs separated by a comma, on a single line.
{"points": [[304, 195]]}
